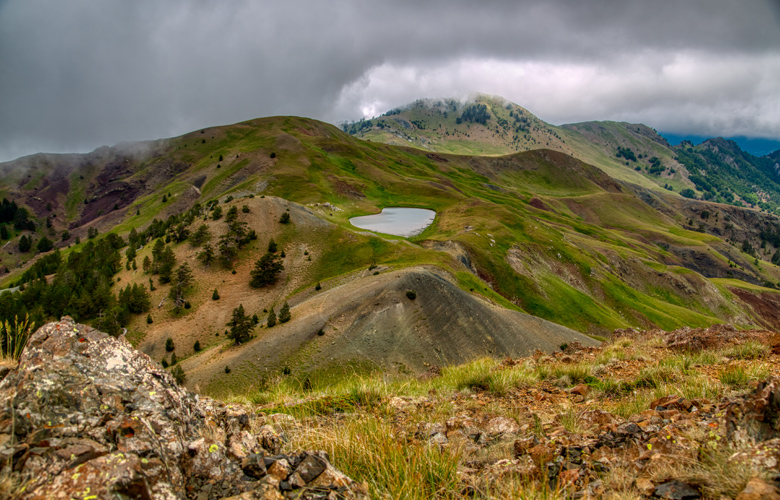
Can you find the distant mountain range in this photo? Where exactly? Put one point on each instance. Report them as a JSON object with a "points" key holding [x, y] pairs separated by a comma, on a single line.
{"points": [[716, 170]]}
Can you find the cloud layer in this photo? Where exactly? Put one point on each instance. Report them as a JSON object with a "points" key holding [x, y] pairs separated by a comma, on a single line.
{"points": [[75, 75]]}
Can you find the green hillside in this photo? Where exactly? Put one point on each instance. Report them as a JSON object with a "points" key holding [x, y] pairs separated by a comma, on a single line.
{"points": [[538, 231], [716, 170]]}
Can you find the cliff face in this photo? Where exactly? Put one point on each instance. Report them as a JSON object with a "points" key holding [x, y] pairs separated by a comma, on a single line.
{"points": [[85, 415]]}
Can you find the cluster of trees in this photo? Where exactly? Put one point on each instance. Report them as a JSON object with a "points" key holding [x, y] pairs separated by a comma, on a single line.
{"points": [[655, 166], [353, 128], [267, 268], [19, 216], [626, 153], [476, 113], [241, 324], [724, 173], [81, 288]]}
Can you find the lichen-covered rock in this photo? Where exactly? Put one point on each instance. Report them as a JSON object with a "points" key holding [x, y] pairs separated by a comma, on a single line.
{"points": [[85, 415]]}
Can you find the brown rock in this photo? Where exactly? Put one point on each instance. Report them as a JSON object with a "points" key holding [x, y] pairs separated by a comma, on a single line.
{"points": [[676, 490], [580, 389], [541, 454], [124, 428], [569, 477], [311, 467], [280, 469], [757, 489], [501, 425], [645, 486], [522, 445]]}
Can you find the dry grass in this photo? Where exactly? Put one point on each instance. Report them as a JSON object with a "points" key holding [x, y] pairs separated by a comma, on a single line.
{"points": [[368, 449]]}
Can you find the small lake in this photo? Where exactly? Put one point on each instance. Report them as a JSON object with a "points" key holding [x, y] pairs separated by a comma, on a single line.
{"points": [[396, 221]]}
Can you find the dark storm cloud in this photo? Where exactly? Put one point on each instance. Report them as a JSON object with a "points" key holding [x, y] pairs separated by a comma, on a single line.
{"points": [[78, 74]]}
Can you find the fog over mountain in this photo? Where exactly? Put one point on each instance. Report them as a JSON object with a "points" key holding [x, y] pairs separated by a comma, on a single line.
{"points": [[79, 74]]}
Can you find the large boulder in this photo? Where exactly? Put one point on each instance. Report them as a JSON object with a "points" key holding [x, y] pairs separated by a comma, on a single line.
{"points": [[85, 415]]}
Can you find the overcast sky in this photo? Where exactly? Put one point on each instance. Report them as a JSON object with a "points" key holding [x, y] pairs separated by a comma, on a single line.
{"points": [[78, 74]]}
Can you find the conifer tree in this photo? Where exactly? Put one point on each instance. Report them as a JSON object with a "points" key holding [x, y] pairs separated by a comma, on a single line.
{"points": [[178, 374], [266, 271], [207, 255], [271, 321], [284, 313], [240, 325], [182, 280]]}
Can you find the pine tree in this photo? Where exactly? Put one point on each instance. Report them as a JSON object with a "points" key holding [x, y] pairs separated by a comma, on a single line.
{"points": [[266, 271], [272, 246], [285, 218], [178, 374], [174, 359], [240, 325], [215, 295], [44, 245], [167, 263], [284, 313], [149, 319], [196, 347], [232, 215], [169, 344], [207, 255], [25, 244], [271, 321], [201, 235], [182, 280], [147, 264]]}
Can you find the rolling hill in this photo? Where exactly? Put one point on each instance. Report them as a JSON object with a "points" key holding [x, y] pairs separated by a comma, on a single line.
{"points": [[528, 250], [716, 170]]}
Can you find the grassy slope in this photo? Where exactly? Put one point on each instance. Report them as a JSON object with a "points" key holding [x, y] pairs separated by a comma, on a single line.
{"points": [[423, 124], [571, 261], [316, 163]]}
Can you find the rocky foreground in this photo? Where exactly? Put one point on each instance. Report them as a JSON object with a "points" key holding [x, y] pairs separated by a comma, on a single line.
{"points": [[86, 416], [678, 415]]}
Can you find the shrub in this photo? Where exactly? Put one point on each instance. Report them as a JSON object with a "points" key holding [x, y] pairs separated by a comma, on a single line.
{"points": [[178, 374], [318, 287], [196, 347], [164, 363], [272, 246], [285, 218], [169, 347], [215, 295], [149, 319], [227, 369], [411, 294]]}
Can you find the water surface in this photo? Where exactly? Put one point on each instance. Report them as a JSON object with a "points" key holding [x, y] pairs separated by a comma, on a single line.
{"points": [[397, 221]]}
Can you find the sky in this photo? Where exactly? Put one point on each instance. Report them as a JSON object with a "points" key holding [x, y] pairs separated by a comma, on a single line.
{"points": [[78, 74]]}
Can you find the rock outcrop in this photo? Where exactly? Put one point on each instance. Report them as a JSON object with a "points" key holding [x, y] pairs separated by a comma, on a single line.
{"points": [[86, 416]]}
